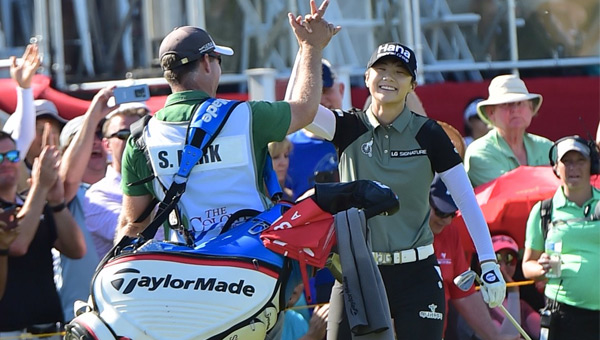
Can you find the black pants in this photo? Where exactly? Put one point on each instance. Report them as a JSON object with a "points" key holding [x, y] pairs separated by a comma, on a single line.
{"points": [[416, 298], [575, 323]]}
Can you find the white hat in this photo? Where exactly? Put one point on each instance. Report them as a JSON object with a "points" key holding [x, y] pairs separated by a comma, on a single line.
{"points": [[504, 89], [471, 109], [46, 108], [571, 144], [69, 130]]}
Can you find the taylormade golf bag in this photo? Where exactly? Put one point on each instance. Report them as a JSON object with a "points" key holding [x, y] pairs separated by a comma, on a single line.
{"points": [[230, 287]]}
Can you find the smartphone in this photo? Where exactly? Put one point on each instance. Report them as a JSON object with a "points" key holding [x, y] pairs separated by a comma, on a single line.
{"points": [[134, 93], [8, 217]]}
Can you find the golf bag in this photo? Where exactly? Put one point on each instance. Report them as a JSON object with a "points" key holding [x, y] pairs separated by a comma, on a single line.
{"points": [[229, 287]]}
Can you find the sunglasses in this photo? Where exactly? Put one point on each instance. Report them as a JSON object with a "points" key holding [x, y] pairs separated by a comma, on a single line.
{"points": [[442, 214], [509, 259], [99, 134], [11, 156], [216, 56], [121, 134]]}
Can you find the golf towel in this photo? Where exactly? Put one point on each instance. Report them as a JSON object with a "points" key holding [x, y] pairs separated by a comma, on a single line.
{"points": [[365, 300]]}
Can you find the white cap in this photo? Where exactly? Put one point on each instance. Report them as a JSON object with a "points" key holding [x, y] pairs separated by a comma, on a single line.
{"points": [[571, 144]]}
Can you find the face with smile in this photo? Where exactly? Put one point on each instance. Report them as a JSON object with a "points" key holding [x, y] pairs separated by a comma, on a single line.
{"points": [[389, 81]]}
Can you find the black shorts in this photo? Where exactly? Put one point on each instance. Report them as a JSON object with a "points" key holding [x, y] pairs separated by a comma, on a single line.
{"points": [[575, 323], [416, 298]]}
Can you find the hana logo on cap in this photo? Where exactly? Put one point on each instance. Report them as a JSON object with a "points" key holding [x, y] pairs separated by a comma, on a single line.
{"points": [[405, 54]]}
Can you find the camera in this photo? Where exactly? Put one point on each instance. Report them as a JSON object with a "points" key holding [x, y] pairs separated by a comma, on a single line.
{"points": [[134, 93]]}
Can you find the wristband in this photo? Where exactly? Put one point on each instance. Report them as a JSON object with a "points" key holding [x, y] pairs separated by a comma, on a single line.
{"points": [[58, 208], [3, 252]]}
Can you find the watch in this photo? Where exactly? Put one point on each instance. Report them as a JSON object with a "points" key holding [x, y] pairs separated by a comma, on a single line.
{"points": [[58, 208]]}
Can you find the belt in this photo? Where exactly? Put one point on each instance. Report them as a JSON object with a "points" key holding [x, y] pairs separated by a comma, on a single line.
{"points": [[563, 307], [403, 256]]}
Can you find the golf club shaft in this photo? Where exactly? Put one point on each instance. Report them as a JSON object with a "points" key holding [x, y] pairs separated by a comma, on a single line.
{"points": [[508, 315], [515, 323]]}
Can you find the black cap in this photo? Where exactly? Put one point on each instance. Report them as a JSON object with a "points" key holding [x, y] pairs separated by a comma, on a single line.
{"points": [[439, 196], [328, 74], [405, 54], [189, 43]]}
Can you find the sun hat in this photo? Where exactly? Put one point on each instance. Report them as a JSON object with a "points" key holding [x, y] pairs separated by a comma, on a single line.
{"points": [[571, 144], [328, 74], [189, 43], [69, 130], [440, 197], [504, 242], [46, 108], [504, 89], [405, 54]]}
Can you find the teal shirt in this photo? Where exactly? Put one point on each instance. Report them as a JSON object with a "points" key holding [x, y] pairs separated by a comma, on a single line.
{"points": [[580, 253], [270, 122], [489, 157]]}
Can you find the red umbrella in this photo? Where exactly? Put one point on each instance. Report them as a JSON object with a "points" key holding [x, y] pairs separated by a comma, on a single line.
{"points": [[507, 201]]}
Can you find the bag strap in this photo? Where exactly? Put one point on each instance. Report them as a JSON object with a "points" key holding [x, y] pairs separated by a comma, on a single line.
{"points": [[205, 124], [546, 215]]}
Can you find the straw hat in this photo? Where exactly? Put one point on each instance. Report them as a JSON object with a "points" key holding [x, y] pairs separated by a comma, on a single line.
{"points": [[507, 89]]}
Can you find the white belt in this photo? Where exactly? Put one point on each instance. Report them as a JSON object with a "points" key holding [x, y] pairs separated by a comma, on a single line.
{"points": [[403, 256]]}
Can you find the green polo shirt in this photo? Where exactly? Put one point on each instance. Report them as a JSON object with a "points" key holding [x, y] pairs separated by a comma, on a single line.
{"points": [[404, 156], [270, 122], [580, 278], [489, 157]]}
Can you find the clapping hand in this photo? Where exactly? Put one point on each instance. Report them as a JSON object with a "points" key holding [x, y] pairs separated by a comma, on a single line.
{"points": [[44, 172]]}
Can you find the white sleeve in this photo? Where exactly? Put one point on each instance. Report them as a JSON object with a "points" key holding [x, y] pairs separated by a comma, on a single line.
{"points": [[460, 189], [21, 124], [323, 125]]}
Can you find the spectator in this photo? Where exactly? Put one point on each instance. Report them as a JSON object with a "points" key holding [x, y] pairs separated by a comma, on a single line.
{"points": [[309, 150], [104, 198], [509, 109], [404, 150], [299, 324], [280, 155], [474, 126], [451, 257], [31, 303], [75, 275], [191, 63], [573, 226]]}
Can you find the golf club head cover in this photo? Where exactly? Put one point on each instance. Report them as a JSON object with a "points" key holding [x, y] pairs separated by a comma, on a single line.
{"points": [[493, 287], [374, 197]]}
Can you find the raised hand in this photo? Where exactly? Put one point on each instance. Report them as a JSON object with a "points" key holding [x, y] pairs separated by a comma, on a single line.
{"points": [[23, 73], [99, 108], [313, 29]]}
